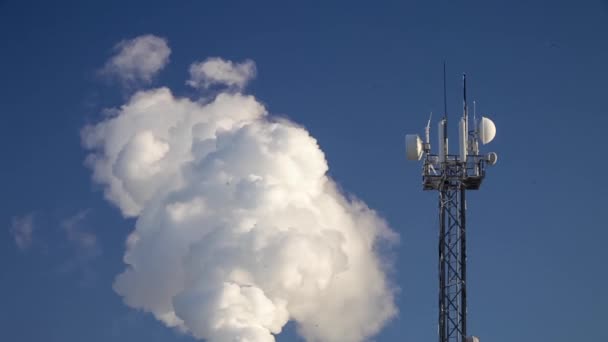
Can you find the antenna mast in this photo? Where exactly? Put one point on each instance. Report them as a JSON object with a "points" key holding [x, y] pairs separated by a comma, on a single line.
{"points": [[445, 97], [451, 175]]}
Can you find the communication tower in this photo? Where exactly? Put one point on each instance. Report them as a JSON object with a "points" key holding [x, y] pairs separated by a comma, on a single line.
{"points": [[452, 175]]}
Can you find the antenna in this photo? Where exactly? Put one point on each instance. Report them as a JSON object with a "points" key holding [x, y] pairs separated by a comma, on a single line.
{"points": [[475, 132], [451, 176], [464, 96], [463, 130], [445, 97], [427, 131], [474, 113], [443, 124]]}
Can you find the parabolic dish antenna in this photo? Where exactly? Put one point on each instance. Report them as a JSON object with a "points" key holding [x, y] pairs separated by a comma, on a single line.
{"points": [[413, 147], [487, 130], [492, 158]]}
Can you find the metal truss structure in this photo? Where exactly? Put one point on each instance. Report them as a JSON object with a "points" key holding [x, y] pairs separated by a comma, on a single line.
{"points": [[451, 175]]}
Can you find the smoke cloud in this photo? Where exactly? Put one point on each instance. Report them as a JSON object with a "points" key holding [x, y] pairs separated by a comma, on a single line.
{"points": [[239, 229]]}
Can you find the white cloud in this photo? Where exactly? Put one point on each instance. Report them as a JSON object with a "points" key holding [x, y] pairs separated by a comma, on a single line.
{"points": [[139, 59], [239, 228], [22, 229], [216, 71], [85, 246], [84, 240]]}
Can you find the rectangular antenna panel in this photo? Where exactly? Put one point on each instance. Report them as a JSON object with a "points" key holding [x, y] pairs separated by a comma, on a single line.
{"points": [[443, 141], [463, 137]]}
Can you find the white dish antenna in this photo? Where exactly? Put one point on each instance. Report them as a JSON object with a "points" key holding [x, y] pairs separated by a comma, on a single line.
{"points": [[413, 147], [492, 158], [486, 129]]}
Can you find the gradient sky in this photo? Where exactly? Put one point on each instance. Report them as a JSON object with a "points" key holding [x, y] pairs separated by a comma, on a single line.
{"points": [[358, 76]]}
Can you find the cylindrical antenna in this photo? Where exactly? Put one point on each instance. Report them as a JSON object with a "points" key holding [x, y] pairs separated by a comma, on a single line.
{"points": [[464, 96], [474, 114], [463, 133], [443, 124], [427, 130], [475, 139], [445, 97]]}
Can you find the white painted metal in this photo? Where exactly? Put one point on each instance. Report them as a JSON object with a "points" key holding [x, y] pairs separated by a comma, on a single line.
{"points": [[492, 158], [427, 130], [487, 130], [413, 147], [463, 138], [443, 141]]}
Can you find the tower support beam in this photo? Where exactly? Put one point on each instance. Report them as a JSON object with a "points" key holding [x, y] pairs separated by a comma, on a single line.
{"points": [[452, 258]]}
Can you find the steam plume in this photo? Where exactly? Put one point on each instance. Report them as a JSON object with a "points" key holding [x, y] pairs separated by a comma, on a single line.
{"points": [[239, 229]]}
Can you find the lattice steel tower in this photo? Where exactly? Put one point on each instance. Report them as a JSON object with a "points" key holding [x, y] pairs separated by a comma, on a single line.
{"points": [[452, 175]]}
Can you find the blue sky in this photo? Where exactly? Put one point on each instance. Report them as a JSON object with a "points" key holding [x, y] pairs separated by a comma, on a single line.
{"points": [[358, 76]]}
